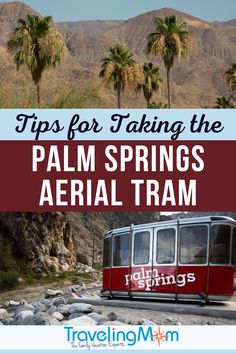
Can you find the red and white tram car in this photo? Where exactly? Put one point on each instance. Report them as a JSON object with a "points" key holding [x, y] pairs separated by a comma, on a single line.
{"points": [[188, 259]]}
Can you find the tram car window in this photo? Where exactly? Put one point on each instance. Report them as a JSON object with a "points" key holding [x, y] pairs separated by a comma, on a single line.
{"points": [[165, 246], [220, 244], [107, 252], [141, 247], [121, 250], [193, 244]]}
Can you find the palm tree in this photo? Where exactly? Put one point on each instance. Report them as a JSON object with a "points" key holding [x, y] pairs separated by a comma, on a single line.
{"points": [[231, 76], [152, 81], [38, 45], [224, 102], [170, 40], [121, 69]]}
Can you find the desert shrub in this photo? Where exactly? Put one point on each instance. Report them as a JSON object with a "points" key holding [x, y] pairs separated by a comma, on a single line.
{"points": [[8, 280], [7, 261], [81, 258], [90, 97]]}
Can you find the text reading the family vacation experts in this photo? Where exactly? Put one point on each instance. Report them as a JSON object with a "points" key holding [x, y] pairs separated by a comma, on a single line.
{"points": [[150, 174]]}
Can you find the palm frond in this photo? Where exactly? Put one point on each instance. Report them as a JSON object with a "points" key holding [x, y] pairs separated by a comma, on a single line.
{"points": [[37, 44], [170, 40], [230, 75]]}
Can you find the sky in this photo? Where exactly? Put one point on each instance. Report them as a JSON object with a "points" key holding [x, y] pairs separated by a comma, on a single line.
{"points": [[77, 10]]}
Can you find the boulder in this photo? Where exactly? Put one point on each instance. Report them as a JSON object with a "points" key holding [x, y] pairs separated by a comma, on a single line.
{"points": [[63, 309], [40, 308], [75, 315], [46, 302], [52, 293], [51, 310], [10, 321], [14, 303], [79, 307], [3, 314], [42, 319], [23, 316], [96, 317], [81, 321], [58, 316], [58, 301], [25, 307], [112, 316], [211, 323]]}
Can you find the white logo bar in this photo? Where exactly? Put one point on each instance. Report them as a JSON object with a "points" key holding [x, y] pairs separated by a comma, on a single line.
{"points": [[117, 337]]}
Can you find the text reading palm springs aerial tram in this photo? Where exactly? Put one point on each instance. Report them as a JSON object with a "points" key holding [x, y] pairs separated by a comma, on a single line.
{"points": [[188, 259]]}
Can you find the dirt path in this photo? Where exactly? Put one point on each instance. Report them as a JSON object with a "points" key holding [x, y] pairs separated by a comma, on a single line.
{"points": [[34, 292]]}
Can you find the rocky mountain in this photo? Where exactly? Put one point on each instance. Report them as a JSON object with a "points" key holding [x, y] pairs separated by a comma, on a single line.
{"points": [[34, 244], [197, 80], [213, 49], [70, 85], [230, 23], [45, 241], [9, 14], [90, 28]]}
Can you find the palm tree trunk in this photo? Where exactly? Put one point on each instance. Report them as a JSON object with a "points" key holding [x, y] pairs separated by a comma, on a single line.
{"points": [[119, 95], [168, 87], [232, 95], [148, 102], [38, 93]]}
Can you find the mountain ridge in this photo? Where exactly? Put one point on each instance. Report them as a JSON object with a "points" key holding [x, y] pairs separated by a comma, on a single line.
{"points": [[197, 80], [230, 23], [9, 14], [93, 28]]}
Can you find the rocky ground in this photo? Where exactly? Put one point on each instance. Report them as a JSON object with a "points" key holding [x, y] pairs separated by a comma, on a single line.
{"points": [[52, 309]]}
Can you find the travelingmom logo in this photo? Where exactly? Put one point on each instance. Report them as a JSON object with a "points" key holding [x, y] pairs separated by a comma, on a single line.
{"points": [[161, 336], [120, 337]]}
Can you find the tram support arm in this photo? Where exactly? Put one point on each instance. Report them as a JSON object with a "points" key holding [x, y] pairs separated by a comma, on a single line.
{"points": [[130, 259]]}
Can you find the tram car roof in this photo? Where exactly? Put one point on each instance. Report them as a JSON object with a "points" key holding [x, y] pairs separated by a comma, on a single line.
{"points": [[174, 222]]}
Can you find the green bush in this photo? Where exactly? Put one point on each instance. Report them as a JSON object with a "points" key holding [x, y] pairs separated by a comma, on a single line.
{"points": [[81, 258], [7, 261], [8, 280], [89, 97], [75, 279]]}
